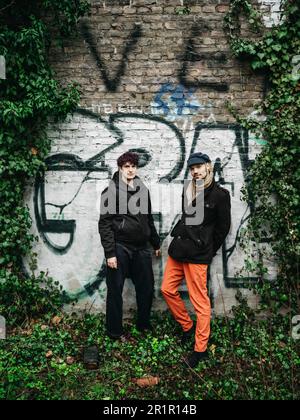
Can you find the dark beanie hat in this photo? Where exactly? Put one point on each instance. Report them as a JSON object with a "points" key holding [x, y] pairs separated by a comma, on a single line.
{"points": [[198, 159]]}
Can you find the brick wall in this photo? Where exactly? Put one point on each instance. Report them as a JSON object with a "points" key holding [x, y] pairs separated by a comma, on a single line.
{"points": [[155, 82]]}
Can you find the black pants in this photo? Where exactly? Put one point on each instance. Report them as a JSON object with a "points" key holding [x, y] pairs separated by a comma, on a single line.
{"points": [[137, 265]]}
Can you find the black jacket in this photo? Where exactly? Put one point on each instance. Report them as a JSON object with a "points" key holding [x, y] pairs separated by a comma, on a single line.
{"points": [[131, 230], [199, 244]]}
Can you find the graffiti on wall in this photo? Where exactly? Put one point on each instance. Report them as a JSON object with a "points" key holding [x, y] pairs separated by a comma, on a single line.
{"points": [[228, 146], [110, 83], [190, 57], [173, 101], [49, 227], [65, 199]]}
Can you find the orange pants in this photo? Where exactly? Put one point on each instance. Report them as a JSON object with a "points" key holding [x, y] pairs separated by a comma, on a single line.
{"points": [[196, 280]]}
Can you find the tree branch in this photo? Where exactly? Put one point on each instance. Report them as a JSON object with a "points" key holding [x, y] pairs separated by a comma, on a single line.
{"points": [[6, 7]]}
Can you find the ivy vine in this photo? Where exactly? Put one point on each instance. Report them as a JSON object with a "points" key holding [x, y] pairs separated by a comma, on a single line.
{"points": [[272, 188], [28, 97]]}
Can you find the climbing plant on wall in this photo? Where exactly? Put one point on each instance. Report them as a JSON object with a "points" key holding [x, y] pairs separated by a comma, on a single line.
{"points": [[28, 97], [274, 178]]}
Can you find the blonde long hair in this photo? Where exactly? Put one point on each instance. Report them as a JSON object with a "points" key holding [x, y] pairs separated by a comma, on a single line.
{"points": [[207, 180]]}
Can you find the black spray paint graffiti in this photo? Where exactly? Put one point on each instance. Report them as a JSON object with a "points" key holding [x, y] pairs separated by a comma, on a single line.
{"points": [[69, 162], [111, 84], [191, 56]]}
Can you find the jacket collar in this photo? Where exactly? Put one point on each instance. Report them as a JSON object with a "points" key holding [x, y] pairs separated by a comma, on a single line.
{"points": [[120, 184], [210, 188]]}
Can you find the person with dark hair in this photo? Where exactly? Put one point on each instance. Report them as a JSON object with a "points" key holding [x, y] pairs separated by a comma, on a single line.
{"points": [[127, 232], [128, 157], [191, 251]]}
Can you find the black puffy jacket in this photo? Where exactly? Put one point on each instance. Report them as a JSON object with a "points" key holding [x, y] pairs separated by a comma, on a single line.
{"points": [[132, 230], [198, 244]]}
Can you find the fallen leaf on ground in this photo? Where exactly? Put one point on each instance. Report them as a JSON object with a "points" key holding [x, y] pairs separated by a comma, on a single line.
{"points": [[213, 348], [56, 320], [148, 381]]}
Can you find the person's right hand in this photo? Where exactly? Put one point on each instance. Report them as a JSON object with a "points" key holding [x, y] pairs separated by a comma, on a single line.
{"points": [[112, 262]]}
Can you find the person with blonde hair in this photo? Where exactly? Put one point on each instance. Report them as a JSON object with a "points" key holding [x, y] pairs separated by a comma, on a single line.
{"points": [[195, 243]]}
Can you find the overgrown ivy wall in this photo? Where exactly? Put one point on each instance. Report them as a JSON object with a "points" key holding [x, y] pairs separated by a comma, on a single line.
{"points": [[155, 77]]}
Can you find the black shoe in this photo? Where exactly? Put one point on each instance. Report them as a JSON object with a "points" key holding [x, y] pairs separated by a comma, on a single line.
{"points": [[188, 335], [196, 357], [145, 328]]}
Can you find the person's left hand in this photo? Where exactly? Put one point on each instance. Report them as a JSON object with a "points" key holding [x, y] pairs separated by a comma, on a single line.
{"points": [[158, 253]]}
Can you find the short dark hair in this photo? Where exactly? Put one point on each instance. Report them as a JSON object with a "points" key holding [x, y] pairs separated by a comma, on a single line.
{"points": [[128, 157]]}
